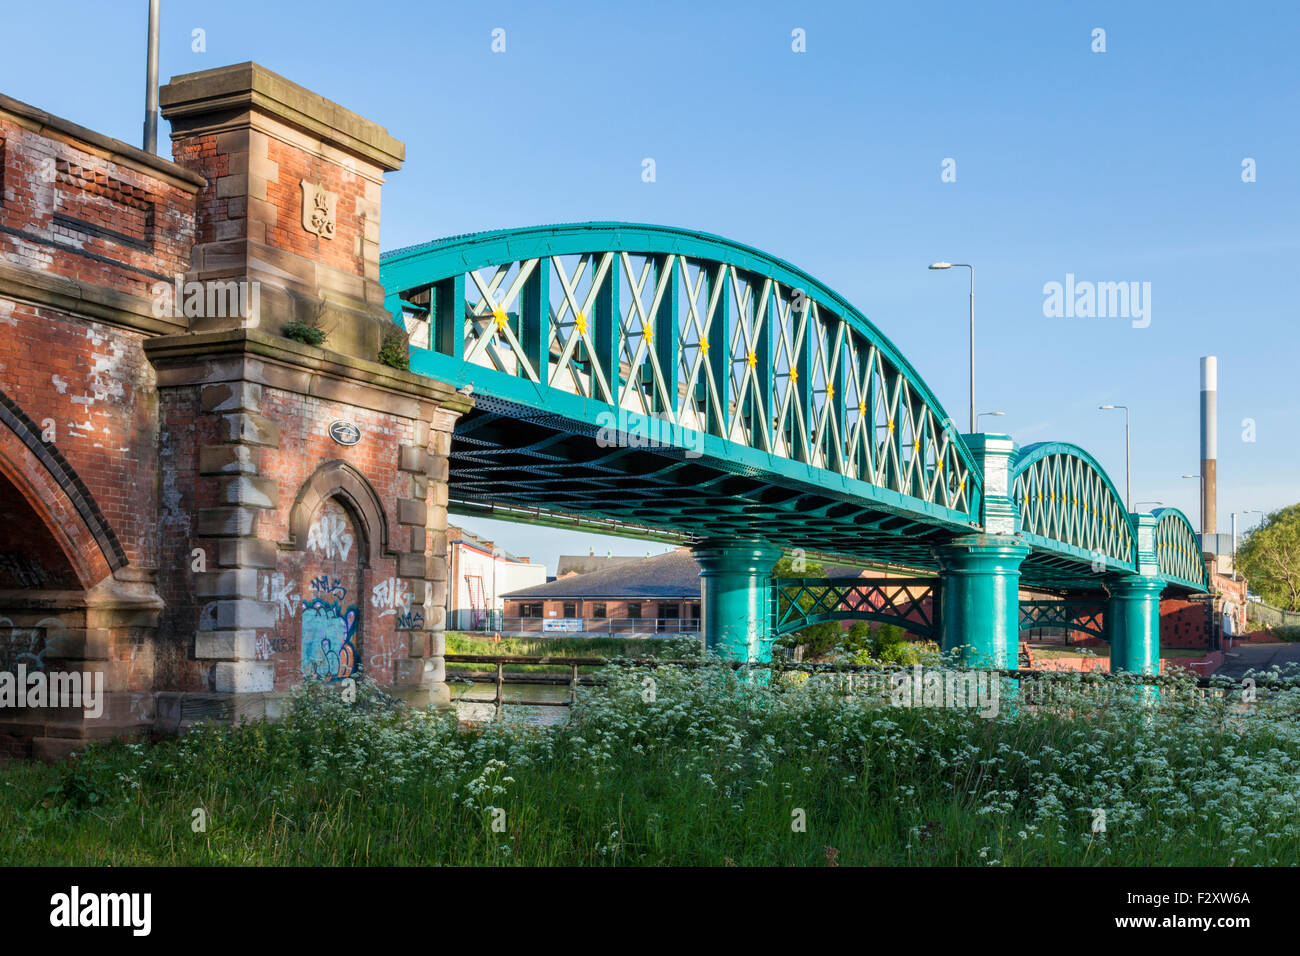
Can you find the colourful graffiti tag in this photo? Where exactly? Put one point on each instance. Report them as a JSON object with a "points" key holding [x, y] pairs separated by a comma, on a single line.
{"points": [[329, 650]]}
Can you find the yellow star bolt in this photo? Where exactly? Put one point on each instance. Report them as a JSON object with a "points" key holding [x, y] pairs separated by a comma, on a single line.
{"points": [[794, 375], [649, 333], [830, 393], [499, 319], [891, 426], [704, 346], [581, 323], [862, 409], [751, 359]]}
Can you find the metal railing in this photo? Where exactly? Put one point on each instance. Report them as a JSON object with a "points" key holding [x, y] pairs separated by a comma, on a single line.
{"points": [[603, 626], [1206, 685]]}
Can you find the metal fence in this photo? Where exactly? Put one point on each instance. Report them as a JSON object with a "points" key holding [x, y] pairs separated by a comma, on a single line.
{"points": [[601, 626], [1035, 686], [1271, 616]]}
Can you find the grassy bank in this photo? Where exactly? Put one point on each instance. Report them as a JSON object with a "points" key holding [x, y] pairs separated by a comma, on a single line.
{"points": [[459, 642], [696, 769]]}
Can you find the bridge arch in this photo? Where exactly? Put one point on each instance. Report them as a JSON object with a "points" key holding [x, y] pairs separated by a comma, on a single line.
{"points": [[737, 351], [1069, 506], [58, 509], [1178, 550], [912, 604]]}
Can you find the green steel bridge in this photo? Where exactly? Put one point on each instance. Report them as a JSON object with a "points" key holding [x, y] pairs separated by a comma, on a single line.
{"points": [[677, 385]]}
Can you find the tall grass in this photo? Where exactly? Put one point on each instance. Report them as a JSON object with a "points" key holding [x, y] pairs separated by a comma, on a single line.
{"points": [[694, 767]]}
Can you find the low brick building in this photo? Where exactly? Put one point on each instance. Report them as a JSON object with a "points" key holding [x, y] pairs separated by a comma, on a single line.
{"points": [[655, 595]]}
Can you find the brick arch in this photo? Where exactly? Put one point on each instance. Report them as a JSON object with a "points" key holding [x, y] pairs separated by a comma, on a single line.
{"points": [[59, 497], [337, 479]]}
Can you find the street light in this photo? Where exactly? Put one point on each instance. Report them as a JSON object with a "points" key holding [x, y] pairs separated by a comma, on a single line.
{"points": [[1197, 477], [967, 265], [1248, 511], [982, 414], [1127, 473], [1151, 502]]}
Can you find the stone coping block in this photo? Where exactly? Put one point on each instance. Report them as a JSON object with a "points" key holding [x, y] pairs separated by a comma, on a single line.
{"points": [[245, 87]]}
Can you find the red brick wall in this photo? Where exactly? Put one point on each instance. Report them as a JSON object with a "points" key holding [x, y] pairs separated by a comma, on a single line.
{"points": [[375, 591], [1184, 623], [200, 155], [185, 429], [60, 202], [96, 385], [343, 250]]}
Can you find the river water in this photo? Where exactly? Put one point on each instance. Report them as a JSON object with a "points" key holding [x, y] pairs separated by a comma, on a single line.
{"points": [[515, 713]]}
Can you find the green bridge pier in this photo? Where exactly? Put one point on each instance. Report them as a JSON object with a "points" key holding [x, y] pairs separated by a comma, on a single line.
{"points": [[977, 613]]}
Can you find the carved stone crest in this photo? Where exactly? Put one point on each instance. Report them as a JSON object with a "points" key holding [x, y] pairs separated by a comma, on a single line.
{"points": [[319, 206]]}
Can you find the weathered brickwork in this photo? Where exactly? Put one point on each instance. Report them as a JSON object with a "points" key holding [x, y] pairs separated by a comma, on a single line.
{"points": [[75, 207], [176, 513]]}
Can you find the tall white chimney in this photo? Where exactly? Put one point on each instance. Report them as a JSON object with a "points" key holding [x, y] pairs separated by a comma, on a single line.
{"points": [[1209, 450]]}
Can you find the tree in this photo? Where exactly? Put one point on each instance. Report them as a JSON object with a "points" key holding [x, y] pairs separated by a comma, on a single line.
{"points": [[1269, 557]]}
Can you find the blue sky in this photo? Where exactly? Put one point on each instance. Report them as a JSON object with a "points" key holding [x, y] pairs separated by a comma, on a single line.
{"points": [[1117, 166]]}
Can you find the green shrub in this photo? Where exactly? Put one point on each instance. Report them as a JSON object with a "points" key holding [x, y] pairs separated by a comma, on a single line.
{"points": [[307, 331], [394, 352]]}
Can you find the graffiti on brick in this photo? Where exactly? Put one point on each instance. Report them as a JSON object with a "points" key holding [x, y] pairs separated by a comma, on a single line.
{"points": [[386, 647], [329, 634], [278, 589], [27, 645], [329, 535], [409, 620], [266, 646], [329, 631], [326, 586], [391, 596]]}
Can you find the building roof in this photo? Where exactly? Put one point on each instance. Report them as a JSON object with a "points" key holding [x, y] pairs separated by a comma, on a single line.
{"points": [[457, 535], [586, 563], [672, 575]]}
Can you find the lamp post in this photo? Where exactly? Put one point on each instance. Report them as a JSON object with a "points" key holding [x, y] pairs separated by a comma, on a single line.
{"points": [[967, 265], [151, 82], [1248, 511], [1151, 502], [1198, 478], [982, 414], [1128, 474]]}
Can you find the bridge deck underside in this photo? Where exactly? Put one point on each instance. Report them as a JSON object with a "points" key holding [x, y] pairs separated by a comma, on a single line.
{"points": [[527, 460], [504, 455]]}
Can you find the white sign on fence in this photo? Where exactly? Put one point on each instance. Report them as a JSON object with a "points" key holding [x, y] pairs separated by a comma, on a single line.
{"points": [[562, 624]]}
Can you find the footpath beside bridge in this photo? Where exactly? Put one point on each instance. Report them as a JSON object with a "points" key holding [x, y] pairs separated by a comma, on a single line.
{"points": [[205, 507]]}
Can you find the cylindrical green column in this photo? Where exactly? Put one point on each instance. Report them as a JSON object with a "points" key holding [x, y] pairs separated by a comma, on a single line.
{"points": [[979, 603], [1133, 623], [735, 600]]}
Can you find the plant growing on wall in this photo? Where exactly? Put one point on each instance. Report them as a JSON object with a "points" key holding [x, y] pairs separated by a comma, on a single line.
{"points": [[393, 352], [309, 331]]}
